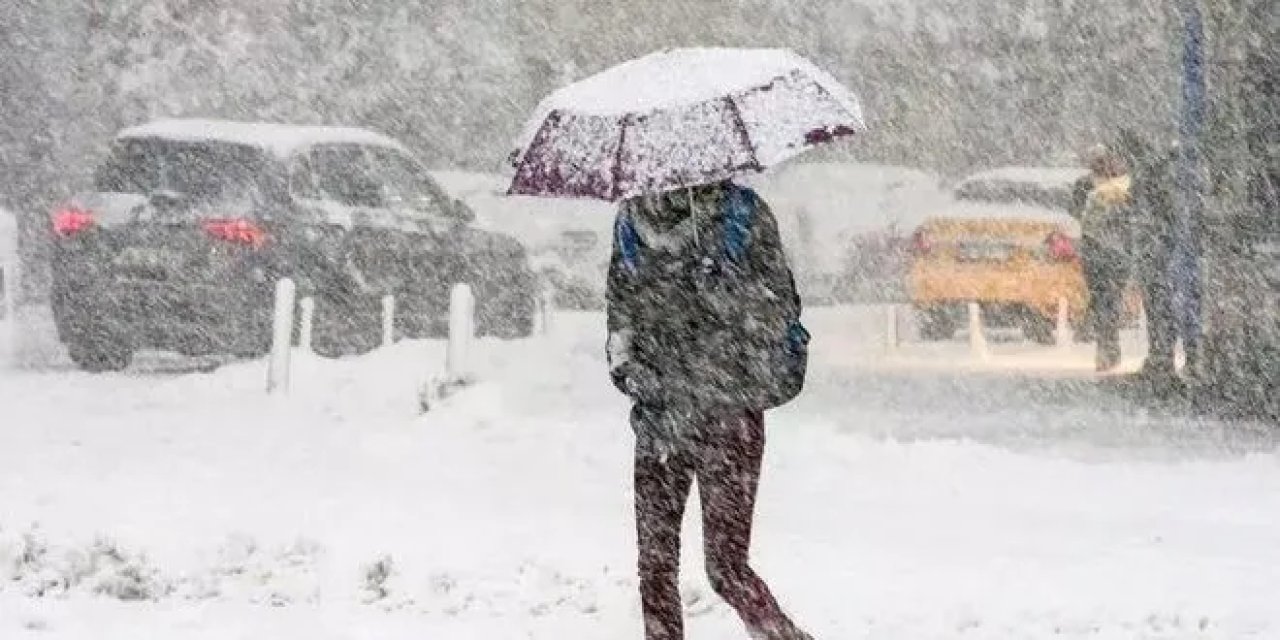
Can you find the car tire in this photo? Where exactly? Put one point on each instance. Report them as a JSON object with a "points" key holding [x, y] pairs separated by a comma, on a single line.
{"points": [[90, 346], [514, 324], [345, 325], [99, 356], [1038, 329], [937, 325]]}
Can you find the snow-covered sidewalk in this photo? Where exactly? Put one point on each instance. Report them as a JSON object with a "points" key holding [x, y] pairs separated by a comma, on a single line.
{"points": [[895, 505]]}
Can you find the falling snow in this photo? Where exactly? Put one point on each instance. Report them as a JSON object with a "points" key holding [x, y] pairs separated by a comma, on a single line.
{"points": [[282, 356]]}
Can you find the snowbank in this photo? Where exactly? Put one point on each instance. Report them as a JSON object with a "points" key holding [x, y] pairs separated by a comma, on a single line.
{"points": [[192, 506]]}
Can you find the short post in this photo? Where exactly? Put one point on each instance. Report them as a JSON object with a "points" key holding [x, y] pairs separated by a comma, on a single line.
{"points": [[281, 337], [457, 374], [977, 337], [9, 335], [462, 305], [1063, 336], [306, 324], [1144, 323], [388, 320], [892, 337], [546, 305]]}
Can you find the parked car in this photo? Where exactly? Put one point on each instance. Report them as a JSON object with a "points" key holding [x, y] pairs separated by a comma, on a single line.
{"points": [[837, 220], [191, 223], [569, 242], [1007, 243]]}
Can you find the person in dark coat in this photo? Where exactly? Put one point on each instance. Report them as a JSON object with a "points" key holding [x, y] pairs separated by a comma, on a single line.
{"points": [[1103, 206], [703, 320], [1153, 216]]}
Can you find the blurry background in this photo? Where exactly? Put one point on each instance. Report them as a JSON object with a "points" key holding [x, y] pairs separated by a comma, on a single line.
{"points": [[949, 85]]}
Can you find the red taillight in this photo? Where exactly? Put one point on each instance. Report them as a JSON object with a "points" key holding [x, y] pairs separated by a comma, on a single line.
{"points": [[921, 243], [236, 231], [71, 220], [1060, 247]]}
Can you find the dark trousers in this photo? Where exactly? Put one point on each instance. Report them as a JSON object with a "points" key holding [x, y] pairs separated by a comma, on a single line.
{"points": [[724, 455], [1162, 327], [1105, 274]]}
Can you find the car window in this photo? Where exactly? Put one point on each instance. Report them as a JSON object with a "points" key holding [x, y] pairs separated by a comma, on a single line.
{"points": [[341, 173], [205, 171], [407, 183], [1012, 192]]}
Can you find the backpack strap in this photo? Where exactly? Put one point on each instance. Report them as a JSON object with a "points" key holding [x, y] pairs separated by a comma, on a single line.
{"points": [[739, 215], [628, 239]]}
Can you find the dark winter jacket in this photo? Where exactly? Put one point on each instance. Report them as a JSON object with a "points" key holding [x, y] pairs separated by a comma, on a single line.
{"points": [[1107, 218], [691, 328], [1154, 216]]}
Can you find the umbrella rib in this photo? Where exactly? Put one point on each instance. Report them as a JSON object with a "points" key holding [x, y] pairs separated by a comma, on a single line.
{"points": [[743, 133], [617, 158]]}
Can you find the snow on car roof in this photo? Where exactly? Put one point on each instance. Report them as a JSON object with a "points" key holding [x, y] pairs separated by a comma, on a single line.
{"points": [[977, 211], [281, 139], [1044, 176]]}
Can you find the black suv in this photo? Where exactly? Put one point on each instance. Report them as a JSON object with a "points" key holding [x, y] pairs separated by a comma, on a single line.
{"points": [[192, 222]]}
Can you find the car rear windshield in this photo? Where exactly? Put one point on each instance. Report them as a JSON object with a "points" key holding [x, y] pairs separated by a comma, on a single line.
{"points": [[206, 171], [1009, 192]]}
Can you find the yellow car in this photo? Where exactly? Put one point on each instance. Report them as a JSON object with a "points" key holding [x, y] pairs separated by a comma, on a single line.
{"points": [[1006, 242]]}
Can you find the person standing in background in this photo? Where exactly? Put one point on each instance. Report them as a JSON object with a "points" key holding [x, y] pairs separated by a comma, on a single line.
{"points": [[1104, 207]]}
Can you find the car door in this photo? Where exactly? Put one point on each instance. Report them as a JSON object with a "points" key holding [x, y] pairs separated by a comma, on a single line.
{"points": [[430, 255]]}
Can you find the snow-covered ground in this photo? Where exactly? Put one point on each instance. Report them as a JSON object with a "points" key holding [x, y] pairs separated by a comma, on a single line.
{"points": [[976, 500]]}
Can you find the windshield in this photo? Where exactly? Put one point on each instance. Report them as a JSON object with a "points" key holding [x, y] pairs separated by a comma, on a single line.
{"points": [[1020, 193], [205, 171]]}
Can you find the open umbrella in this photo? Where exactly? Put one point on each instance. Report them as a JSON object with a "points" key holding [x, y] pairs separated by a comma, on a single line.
{"points": [[680, 118]]}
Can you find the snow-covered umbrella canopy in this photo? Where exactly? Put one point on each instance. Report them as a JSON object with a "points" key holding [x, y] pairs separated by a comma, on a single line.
{"points": [[680, 118]]}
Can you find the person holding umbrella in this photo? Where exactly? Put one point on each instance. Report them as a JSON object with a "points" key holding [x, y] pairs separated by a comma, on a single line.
{"points": [[704, 331], [704, 335]]}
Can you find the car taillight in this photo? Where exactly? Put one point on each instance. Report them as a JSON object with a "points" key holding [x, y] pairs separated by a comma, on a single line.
{"points": [[237, 231], [921, 243], [71, 220], [1060, 247]]}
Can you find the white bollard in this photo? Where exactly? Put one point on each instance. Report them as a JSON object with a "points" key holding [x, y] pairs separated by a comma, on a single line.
{"points": [[9, 335], [306, 324], [546, 305], [388, 320], [1144, 323], [892, 334], [281, 337], [977, 337], [1063, 336], [462, 304]]}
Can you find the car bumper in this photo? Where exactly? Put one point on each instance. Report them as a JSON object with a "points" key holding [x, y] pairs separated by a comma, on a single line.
{"points": [[1038, 288], [190, 318]]}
